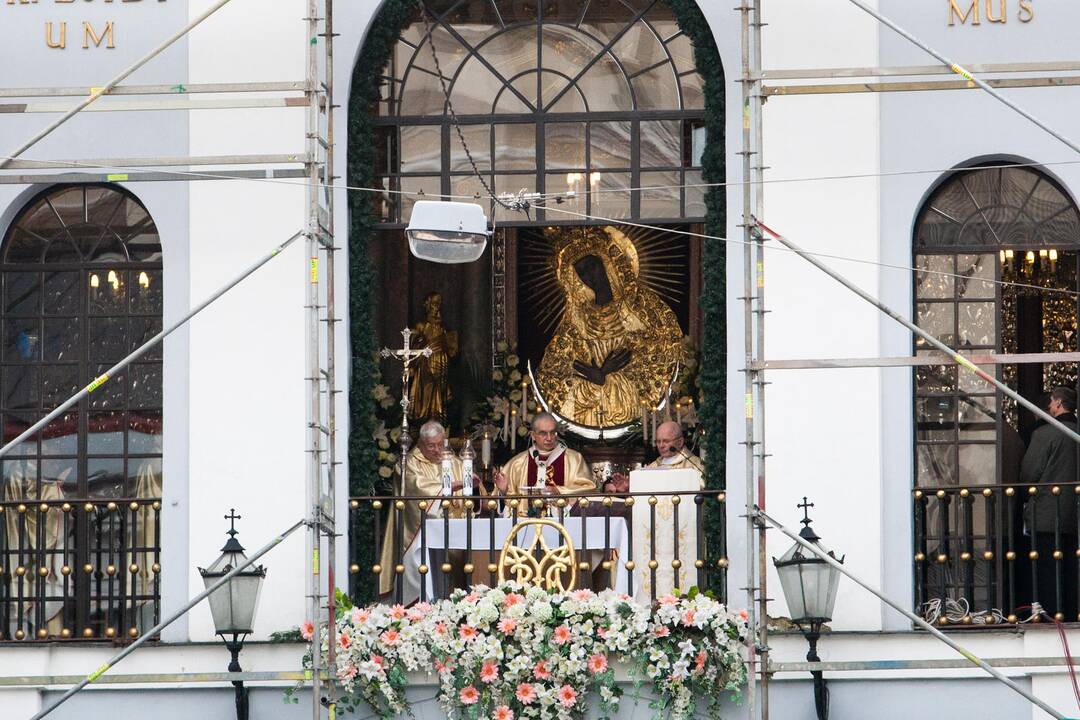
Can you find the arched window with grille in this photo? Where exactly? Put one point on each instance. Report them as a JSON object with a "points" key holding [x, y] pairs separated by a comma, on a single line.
{"points": [[550, 97], [81, 277], [997, 249]]}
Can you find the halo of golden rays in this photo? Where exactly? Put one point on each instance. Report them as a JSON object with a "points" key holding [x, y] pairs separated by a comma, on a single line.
{"points": [[657, 253]]}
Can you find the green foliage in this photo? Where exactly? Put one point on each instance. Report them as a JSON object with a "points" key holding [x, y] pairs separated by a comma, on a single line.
{"points": [[363, 367], [712, 378]]}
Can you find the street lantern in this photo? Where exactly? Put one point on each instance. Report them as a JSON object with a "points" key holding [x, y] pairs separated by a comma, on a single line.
{"points": [[447, 232], [809, 584], [233, 605]]}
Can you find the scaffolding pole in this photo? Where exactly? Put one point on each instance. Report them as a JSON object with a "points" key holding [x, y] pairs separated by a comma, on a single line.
{"points": [[321, 417], [753, 320], [313, 366]]}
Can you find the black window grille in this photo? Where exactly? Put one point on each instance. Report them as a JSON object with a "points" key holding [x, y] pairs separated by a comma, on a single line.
{"points": [[997, 251], [595, 98], [81, 280]]}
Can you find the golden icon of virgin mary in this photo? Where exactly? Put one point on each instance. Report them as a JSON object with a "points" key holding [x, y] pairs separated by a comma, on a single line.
{"points": [[617, 344]]}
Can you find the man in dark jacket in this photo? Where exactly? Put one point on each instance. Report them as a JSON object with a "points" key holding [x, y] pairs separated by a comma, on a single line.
{"points": [[1051, 460]]}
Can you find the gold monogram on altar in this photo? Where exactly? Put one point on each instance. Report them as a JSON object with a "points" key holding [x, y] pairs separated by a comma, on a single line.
{"points": [[537, 563]]}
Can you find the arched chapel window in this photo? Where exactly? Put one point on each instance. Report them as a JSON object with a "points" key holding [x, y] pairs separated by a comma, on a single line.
{"points": [[551, 97], [997, 251], [81, 276]]}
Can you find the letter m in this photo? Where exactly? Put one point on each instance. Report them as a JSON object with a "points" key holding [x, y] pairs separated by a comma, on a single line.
{"points": [[972, 11], [89, 36]]}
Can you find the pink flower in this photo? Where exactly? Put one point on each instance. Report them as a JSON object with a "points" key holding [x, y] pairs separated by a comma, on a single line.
{"points": [[513, 599], [414, 614], [525, 694], [489, 673], [668, 600], [581, 595], [597, 663], [347, 673], [661, 631], [440, 628], [307, 630], [469, 695], [541, 670], [699, 661], [561, 636], [397, 612], [507, 625], [567, 696], [602, 632], [378, 660], [344, 641], [503, 712], [360, 616], [743, 614], [390, 637], [468, 633], [471, 597], [440, 666], [688, 617]]}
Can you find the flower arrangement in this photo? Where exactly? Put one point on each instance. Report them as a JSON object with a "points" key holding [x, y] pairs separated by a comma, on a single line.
{"points": [[503, 414], [515, 652], [387, 432]]}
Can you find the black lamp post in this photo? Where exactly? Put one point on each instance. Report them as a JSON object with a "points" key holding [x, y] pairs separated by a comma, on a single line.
{"points": [[233, 605], [809, 585]]}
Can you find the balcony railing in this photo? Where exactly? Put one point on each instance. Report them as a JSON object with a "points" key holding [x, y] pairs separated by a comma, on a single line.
{"points": [[79, 568], [989, 554], [643, 544]]}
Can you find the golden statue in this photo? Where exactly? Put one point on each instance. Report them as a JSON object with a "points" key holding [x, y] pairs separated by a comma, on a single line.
{"points": [[429, 392], [617, 345]]}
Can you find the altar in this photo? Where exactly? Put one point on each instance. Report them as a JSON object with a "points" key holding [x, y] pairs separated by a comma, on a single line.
{"points": [[485, 538]]}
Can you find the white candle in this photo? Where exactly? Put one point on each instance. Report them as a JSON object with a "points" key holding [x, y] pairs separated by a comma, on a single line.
{"points": [[678, 412], [644, 426], [506, 425], [513, 428], [485, 451], [524, 399], [654, 414]]}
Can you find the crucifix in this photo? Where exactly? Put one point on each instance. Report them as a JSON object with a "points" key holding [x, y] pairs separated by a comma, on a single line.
{"points": [[805, 505], [232, 517], [407, 355]]}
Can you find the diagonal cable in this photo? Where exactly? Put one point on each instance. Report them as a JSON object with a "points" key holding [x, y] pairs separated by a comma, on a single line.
{"points": [[963, 72], [95, 93]]}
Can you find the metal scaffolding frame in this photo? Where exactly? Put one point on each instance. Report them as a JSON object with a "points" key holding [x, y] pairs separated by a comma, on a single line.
{"points": [[315, 166], [755, 92]]}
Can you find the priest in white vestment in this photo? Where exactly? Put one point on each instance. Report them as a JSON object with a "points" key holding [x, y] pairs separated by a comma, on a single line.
{"points": [[547, 466], [671, 445], [423, 476]]}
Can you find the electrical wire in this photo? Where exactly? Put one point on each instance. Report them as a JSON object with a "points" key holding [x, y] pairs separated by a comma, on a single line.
{"points": [[617, 221], [585, 216], [828, 256], [823, 178]]}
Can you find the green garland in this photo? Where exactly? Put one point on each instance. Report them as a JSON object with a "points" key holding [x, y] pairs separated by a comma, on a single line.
{"points": [[364, 368], [712, 380], [363, 452]]}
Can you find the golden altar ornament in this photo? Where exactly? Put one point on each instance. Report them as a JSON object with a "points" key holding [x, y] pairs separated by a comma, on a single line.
{"points": [[617, 344], [537, 564]]}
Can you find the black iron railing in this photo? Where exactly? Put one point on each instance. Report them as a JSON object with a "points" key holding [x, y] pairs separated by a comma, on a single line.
{"points": [[79, 568], [644, 544], [991, 554]]}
